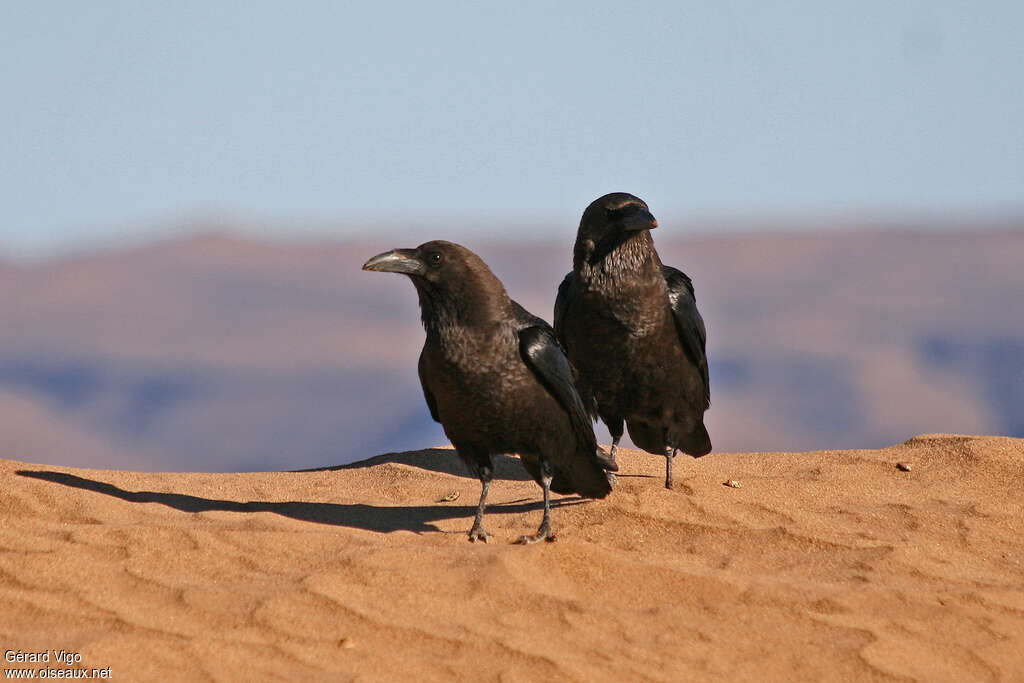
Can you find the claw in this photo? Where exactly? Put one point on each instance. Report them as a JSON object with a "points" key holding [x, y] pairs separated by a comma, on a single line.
{"points": [[478, 534], [607, 461]]}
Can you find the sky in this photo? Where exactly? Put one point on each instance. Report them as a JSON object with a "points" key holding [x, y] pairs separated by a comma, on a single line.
{"points": [[122, 120]]}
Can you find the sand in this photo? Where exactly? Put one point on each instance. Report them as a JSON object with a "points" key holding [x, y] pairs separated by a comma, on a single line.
{"points": [[830, 565]]}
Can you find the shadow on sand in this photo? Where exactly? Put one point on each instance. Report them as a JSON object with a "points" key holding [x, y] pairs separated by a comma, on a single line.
{"points": [[442, 460], [385, 519]]}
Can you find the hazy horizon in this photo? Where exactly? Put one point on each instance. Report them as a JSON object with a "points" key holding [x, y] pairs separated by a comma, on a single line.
{"points": [[231, 354], [297, 232]]}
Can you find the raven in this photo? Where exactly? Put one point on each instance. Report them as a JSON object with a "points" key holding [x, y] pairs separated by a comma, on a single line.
{"points": [[631, 329], [496, 379]]}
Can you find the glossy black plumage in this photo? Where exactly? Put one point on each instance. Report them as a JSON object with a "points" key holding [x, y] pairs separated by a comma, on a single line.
{"points": [[496, 378], [631, 328]]}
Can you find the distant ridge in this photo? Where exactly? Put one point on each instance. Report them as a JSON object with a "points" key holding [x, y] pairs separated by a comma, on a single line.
{"points": [[217, 352]]}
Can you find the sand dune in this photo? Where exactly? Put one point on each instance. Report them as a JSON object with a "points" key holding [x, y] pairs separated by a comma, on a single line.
{"points": [[826, 565]]}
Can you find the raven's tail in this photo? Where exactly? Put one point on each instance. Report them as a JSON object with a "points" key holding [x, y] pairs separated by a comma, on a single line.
{"points": [[646, 436], [586, 475], [697, 442], [651, 438]]}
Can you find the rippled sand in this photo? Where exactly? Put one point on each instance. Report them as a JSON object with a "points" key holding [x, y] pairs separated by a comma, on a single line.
{"points": [[827, 565]]}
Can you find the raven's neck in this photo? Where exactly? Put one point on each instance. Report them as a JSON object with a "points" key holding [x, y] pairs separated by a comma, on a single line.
{"points": [[443, 309], [631, 264]]}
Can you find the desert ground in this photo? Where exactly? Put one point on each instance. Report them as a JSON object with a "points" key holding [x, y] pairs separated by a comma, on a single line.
{"points": [[830, 565]]}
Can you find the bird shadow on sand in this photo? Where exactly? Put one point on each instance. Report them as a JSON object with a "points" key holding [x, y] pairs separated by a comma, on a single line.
{"points": [[379, 518], [442, 460]]}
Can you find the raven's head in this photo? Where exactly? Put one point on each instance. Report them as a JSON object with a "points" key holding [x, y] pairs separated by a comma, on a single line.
{"points": [[436, 262], [453, 283], [610, 221]]}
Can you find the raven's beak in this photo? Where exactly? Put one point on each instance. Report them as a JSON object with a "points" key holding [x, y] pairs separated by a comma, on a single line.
{"points": [[635, 222], [396, 261]]}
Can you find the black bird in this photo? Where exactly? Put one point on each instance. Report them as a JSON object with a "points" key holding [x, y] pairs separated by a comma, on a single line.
{"points": [[631, 329], [496, 379]]}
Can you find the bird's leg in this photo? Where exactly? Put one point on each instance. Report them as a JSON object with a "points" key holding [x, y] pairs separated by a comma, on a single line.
{"points": [[670, 455], [544, 532], [615, 429], [477, 533]]}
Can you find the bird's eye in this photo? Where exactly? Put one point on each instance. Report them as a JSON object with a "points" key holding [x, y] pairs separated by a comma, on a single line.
{"points": [[434, 259]]}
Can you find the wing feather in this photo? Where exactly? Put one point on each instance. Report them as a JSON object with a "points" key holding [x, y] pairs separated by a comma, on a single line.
{"points": [[581, 467], [431, 401], [689, 323]]}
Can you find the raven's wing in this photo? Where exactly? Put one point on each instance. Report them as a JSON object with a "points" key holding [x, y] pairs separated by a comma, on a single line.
{"points": [[549, 362], [561, 306], [544, 357], [561, 310], [582, 467], [689, 325], [431, 401]]}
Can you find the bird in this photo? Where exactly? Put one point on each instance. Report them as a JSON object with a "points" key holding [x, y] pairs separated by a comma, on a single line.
{"points": [[497, 380], [631, 329]]}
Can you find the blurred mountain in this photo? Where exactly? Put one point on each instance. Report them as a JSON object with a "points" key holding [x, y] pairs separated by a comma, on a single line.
{"points": [[220, 353]]}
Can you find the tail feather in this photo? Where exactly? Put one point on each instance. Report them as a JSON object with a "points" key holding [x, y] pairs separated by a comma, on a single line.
{"points": [[585, 476], [696, 442], [646, 436]]}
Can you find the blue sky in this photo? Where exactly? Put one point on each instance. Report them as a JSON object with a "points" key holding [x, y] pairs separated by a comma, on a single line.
{"points": [[123, 117]]}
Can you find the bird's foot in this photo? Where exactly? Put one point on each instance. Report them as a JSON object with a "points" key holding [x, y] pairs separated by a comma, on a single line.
{"points": [[607, 461], [543, 534], [612, 479], [477, 533]]}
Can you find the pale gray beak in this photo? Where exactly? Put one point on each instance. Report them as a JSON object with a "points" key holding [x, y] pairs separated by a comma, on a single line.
{"points": [[404, 261]]}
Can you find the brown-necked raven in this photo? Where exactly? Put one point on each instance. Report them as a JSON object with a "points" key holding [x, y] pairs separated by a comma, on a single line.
{"points": [[631, 329], [496, 379]]}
